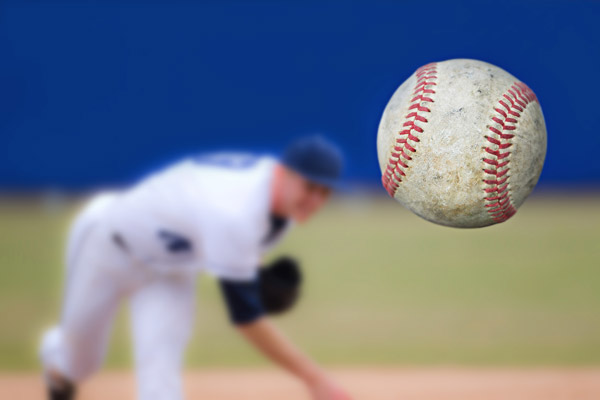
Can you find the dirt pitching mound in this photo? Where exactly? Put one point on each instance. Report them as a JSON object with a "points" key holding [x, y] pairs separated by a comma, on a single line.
{"points": [[363, 383]]}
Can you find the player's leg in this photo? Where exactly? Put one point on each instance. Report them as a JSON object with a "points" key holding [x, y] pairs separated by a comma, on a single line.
{"points": [[162, 314], [74, 348]]}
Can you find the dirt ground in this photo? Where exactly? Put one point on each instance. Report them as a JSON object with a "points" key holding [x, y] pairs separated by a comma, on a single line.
{"points": [[364, 383]]}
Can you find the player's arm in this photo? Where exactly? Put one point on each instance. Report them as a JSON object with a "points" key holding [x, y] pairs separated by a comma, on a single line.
{"points": [[265, 336], [249, 317]]}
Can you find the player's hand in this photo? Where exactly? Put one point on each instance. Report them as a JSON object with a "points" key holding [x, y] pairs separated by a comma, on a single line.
{"points": [[326, 389]]}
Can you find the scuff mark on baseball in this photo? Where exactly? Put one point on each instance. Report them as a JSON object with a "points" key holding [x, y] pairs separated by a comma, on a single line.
{"points": [[462, 143]]}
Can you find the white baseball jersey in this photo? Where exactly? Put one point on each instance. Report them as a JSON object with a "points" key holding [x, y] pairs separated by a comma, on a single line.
{"points": [[207, 213]]}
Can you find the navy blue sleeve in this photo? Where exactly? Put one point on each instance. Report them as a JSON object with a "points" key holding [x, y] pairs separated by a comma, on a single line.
{"points": [[243, 300]]}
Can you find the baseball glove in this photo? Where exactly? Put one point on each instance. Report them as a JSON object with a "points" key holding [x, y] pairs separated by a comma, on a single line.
{"points": [[280, 284]]}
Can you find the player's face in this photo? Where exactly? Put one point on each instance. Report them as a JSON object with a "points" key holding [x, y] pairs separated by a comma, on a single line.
{"points": [[305, 198]]}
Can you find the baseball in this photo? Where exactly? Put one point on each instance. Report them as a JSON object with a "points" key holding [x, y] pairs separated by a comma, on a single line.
{"points": [[462, 143]]}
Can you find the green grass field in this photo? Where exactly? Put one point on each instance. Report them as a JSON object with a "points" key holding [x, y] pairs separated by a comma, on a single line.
{"points": [[382, 287]]}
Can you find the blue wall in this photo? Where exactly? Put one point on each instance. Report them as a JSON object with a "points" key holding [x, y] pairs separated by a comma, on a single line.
{"points": [[98, 93]]}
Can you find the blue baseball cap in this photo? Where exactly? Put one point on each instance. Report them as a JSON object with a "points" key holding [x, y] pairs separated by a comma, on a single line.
{"points": [[316, 158]]}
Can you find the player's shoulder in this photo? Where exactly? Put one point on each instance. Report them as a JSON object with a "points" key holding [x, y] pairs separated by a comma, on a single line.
{"points": [[227, 159], [237, 190], [232, 162], [216, 170], [233, 177]]}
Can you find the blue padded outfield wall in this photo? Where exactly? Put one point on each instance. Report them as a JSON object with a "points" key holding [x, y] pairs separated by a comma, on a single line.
{"points": [[98, 93]]}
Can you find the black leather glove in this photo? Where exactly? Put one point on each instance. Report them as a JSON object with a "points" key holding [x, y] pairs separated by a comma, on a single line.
{"points": [[280, 284]]}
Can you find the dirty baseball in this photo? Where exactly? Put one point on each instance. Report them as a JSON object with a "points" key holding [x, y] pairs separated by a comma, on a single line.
{"points": [[462, 143]]}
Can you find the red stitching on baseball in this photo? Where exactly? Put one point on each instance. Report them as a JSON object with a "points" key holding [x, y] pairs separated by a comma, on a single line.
{"points": [[399, 157], [499, 205]]}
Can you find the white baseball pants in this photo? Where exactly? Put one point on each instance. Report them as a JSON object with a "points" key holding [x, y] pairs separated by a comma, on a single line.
{"points": [[100, 275]]}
